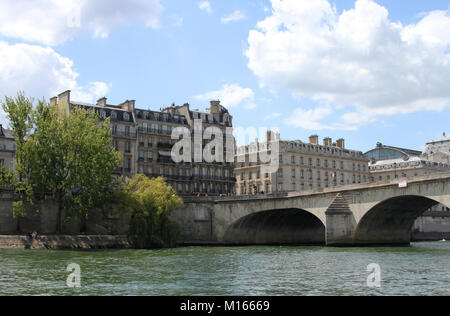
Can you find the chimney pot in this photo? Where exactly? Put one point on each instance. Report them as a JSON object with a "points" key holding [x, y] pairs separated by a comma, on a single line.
{"points": [[314, 140]]}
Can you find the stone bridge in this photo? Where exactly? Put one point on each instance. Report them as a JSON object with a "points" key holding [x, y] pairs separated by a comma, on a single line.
{"points": [[368, 214]]}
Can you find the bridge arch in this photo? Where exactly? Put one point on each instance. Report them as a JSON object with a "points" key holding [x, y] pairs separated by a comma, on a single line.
{"points": [[391, 221], [277, 227]]}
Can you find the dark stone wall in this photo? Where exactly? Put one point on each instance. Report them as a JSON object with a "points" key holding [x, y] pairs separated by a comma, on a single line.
{"points": [[112, 222]]}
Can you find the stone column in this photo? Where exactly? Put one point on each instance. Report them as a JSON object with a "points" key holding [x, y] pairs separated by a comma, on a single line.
{"points": [[341, 223]]}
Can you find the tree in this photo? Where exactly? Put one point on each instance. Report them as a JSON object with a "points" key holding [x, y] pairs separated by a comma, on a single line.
{"points": [[68, 157], [150, 202]]}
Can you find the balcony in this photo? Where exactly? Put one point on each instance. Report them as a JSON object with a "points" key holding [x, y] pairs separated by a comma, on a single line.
{"points": [[123, 134], [158, 131], [165, 145], [165, 160]]}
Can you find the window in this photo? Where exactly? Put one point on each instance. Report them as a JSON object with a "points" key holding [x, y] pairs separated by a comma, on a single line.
{"points": [[149, 156], [127, 147], [126, 116], [280, 173], [114, 115], [280, 187], [128, 164]]}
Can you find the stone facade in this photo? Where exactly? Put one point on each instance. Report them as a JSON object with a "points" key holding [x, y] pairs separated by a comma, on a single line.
{"points": [[113, 222], [302, 167], [390, 163], [143, 137], [7, 148]]}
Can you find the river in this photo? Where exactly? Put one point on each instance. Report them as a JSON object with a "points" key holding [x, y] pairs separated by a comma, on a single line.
{"points": [[422, 269]]}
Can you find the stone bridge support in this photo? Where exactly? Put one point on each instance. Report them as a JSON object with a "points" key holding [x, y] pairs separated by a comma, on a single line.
{"points": [[341, 224]]}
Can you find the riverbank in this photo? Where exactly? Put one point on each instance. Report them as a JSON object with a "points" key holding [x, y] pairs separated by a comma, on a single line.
{"points": [[65, 242]]}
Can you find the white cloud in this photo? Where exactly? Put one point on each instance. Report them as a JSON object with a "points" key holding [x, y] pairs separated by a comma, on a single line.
{"points": [[52, 22], [358, 59], [233, 17], [272, 116], [311, 119], [205, 6], [42, 73], [231, 95]]}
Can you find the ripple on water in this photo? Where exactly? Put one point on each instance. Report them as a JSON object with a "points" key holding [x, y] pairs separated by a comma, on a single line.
{"points": [[422, 269]]}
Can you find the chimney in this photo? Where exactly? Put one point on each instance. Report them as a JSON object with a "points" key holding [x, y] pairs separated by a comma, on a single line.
{"points": [[101, 102], [214, 104], [269, 136], [327, 142], [314, 140], [341, 143], [54, 101], [131, 105], [64, 102], [64, 98]]}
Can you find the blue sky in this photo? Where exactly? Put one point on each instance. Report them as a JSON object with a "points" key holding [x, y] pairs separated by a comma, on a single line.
{"points": [[364, 70]]}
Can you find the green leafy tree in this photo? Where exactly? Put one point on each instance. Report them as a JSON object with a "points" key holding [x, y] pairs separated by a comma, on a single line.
{"points": [[67, 157], [150, 203]]}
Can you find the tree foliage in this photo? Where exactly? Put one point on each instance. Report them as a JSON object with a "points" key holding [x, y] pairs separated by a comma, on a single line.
{"points": [[68, 157], [150, 202]]}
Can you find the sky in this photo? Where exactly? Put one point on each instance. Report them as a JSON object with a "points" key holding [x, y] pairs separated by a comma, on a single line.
{"points": [[367, 71]]}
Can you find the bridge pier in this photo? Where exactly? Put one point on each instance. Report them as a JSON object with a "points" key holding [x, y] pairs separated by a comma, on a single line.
{"points": [[340, 223]]}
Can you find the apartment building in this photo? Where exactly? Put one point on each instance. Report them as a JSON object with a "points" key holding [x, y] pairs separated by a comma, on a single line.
{"points": [[143, 137], [215, 177], [302, 166], [389, 163], [7, 147]]}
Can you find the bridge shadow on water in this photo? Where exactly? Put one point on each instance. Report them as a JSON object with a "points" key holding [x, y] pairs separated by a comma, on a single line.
{"points": [[280, 227]]}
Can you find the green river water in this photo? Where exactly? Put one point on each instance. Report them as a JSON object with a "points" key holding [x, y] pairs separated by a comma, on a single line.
{"points": [[422, 269]]}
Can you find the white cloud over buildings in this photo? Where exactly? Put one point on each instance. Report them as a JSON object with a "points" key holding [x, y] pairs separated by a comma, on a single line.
{"points": [[42, 72], [52, 22], [358, 61], [231, 95]]}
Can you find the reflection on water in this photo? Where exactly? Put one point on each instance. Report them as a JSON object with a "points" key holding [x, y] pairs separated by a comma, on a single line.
{"points": [[422, 269]]}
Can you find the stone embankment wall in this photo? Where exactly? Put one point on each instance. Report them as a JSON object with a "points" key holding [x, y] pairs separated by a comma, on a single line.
{"points": [[432, 226], [111, 222], [65, 242]]}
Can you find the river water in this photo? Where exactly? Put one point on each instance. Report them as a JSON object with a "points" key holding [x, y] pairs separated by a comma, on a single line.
{"points": [[422, 269]]}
